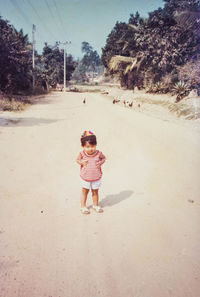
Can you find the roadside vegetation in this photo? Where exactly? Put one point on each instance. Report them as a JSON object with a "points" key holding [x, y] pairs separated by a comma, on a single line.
{"points": [[159, 54], [16, 71], [89, 67]]}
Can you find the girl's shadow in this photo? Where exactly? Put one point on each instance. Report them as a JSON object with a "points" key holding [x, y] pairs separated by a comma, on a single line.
{"points": [[114, 199]]}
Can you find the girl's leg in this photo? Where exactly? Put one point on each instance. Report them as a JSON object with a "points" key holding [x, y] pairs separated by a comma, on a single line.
{"points": [[84, 197], [95, 196]]}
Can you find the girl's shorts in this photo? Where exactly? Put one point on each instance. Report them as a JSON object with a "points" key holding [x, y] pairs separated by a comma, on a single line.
{"points": [[93, 185]]}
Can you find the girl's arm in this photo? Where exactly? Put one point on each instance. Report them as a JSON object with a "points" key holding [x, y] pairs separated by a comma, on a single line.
{"points": [[80, 161], [103, 159]]}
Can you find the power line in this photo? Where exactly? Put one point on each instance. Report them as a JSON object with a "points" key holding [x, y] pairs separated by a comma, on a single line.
{"points": [[61, 22], [50, 10], [20, 11], [40, 19]]}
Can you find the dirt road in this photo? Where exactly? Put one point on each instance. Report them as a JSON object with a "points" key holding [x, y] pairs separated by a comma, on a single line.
{"points": [[147, 241]]}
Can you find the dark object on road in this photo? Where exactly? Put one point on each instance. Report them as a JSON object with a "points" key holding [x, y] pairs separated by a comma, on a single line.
{"points": [[74, 90], [114, 101], [84, 101], [139, 105], [131, 104], [105, 93]]}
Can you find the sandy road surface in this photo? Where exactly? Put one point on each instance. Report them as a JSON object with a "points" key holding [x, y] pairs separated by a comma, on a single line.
{"points": [[147, 241]]}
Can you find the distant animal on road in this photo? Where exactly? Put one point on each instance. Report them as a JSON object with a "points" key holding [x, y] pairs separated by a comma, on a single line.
{"points": [[84, 101], [114, 101]]}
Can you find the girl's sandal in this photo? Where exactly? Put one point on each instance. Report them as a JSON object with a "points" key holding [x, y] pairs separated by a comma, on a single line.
{"points": [[84, 210], [97, 208]]}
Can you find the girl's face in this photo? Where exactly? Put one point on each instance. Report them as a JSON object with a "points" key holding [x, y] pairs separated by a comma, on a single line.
{"points": [[89, 148]]}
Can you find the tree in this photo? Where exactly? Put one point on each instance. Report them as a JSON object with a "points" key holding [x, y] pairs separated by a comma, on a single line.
{"points": [[91, 59], [121, 40], [174, 5], [89, 63], [80, 73], [135, 20], [113, 45], [86, 48], [52, 64], [15, 59]]}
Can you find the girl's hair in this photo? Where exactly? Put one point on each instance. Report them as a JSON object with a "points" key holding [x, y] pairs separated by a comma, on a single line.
{"points": [[91, 139]]}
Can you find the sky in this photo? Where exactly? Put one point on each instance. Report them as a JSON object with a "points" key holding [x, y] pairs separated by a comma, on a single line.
{"points": [[72, 20]]}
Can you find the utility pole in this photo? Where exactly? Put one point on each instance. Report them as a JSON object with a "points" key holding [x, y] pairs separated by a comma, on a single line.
{"points": [[33, 56], [65, 43]]}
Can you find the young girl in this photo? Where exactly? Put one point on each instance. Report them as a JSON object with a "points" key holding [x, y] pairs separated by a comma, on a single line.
{"points": [[90, 160]]}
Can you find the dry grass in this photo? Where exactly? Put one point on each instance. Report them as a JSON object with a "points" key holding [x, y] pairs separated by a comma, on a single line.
{"points": [[13, 104], [20, 102], [189, 112], [183, 110]]}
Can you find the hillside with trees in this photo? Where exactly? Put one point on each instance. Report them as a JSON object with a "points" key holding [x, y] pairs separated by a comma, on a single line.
{"points": [[159, 53]]}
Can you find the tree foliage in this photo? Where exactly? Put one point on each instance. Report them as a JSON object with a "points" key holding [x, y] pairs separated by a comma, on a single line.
{"points": [[16, 73], [115, 43], [91, 59], [15, 58], [53, 65], [160, 44], [89, 63]]}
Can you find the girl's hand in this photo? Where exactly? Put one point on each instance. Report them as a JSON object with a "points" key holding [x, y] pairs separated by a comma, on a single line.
{"points": [[99, 163], [84, 162]]}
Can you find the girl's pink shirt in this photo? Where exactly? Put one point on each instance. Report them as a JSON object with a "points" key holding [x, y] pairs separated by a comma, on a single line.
{"points": [[90, 172]]}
